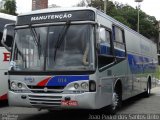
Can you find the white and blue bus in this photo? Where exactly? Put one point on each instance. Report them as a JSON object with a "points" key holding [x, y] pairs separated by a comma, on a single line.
{"points": [[78, 58], [4, 54]]}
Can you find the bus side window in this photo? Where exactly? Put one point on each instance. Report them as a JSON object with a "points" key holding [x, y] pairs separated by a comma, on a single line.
{"points": [[119, 41], [8, 42], [105, 41], [104, 36], [105, 56], [10, 36]]}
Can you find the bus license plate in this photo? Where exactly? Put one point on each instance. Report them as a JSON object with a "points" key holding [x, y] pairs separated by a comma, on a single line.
{"points": [[69, 103]]}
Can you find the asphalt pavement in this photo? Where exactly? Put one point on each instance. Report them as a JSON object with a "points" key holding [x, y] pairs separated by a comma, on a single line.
{"points": [[134, 108]]}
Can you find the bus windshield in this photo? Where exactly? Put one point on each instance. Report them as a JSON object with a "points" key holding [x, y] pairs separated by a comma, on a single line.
{"points": [[54, 48]]}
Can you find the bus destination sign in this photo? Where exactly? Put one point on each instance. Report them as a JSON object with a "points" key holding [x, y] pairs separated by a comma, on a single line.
{"points": [[56, 17]]}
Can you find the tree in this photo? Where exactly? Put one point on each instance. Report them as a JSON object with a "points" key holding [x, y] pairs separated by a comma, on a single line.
{"points": [[99, 4], [10, 7], [128, 16], [83, 3]]}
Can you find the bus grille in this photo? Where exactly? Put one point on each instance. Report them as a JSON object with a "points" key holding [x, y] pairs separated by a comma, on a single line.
{"points": [[45, 101], [48, 89]]}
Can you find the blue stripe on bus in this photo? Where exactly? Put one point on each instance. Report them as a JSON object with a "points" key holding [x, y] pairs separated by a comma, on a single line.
{"points": [[64, 80], [137, 64], [105, 50], [119, 53]]}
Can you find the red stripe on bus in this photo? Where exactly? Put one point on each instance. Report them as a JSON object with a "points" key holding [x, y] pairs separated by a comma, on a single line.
{"points": [[3, 97], [44, 82]]}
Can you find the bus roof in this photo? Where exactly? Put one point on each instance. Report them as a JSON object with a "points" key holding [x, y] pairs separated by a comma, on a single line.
{"points": [[6, 19], [60, 9], [7, 16]]}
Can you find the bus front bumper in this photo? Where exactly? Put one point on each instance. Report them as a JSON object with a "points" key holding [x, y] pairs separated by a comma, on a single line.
{"points": [[85, 100]]}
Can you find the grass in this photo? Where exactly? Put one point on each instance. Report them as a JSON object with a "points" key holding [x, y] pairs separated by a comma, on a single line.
{"points": [[158, 73]]}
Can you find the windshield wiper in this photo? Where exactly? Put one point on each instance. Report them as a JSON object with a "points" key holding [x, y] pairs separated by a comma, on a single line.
{"points": [[36, 39], [61, 38]]}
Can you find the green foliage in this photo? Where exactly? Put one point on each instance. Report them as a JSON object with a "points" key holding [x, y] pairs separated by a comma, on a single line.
{"points": [[128, 16], [81, 4], [97, 4], [123, 20], [157, 74], [9, 7], [3, 11]]}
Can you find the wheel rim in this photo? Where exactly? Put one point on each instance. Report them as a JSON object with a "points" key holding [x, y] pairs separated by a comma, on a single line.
{"points": [[115, 100], [148, 89]]}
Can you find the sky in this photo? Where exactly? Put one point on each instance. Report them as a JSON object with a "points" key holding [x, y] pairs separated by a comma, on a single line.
{"points": [[151, 7]]}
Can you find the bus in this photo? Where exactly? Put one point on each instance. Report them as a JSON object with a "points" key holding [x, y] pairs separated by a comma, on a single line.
{"points": [[5, 55], [78, 58]]}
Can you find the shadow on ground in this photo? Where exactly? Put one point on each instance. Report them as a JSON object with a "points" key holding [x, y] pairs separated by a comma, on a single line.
{"points": [[133, 100]]}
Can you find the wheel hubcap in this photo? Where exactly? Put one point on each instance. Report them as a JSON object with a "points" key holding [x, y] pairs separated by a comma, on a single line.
{"points": [[115, 100]]}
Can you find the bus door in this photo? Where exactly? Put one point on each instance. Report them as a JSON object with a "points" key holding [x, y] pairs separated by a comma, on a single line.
{"points": [[106, 60], [105, 53]]}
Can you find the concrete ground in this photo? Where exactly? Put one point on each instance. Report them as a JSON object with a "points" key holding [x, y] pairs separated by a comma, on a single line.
{"points": [[136, 105]]}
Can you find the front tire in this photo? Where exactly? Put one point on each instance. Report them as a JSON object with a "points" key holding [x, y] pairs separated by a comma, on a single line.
{"points": [[116, 102]]}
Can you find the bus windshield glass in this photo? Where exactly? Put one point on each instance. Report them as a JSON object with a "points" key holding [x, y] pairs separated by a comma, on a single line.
{"points": [[54, 48]]}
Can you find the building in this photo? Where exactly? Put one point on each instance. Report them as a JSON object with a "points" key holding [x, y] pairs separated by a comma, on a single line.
{"points": [[53, 6], [2, 4], [39, 4]]}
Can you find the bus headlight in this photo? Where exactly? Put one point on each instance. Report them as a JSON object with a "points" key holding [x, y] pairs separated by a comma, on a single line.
{"points": [[13, 85], [76, 85], [19, 85], [84, 85]]}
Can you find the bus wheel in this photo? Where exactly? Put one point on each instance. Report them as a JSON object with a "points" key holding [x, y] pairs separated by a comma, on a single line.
{"points": [[116, 102], [148, 91]]}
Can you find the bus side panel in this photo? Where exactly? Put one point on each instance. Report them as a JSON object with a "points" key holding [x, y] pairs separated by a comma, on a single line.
{"points": [[4, 62], [134, 60], [142, 61], [104, 90], [3, 85]]}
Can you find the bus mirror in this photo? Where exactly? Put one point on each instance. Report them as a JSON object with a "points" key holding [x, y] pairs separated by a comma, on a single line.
{"points": [[4, 37], [101, 38], [102, 35]]}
